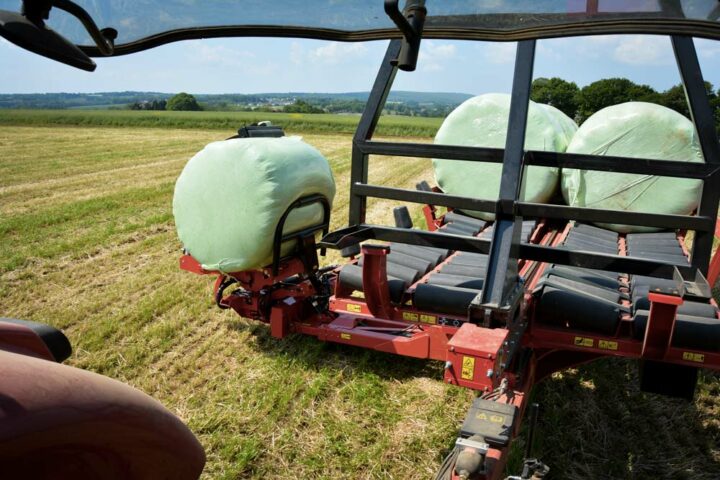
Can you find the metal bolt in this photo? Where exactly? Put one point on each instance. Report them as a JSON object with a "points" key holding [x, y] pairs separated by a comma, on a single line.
{"points": [[448, 365], [452, 349], [489, 373]]}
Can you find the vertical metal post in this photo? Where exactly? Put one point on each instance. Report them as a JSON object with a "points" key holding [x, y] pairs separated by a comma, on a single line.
{"points": [[702, 117], [366, 128], [502, 271]]}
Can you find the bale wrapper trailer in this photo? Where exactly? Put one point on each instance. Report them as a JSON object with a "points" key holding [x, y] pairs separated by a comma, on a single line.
{"points": [[503, 304]]}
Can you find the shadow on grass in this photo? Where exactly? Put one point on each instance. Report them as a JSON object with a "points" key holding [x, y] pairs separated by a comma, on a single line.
{"points": [[595, 423]]}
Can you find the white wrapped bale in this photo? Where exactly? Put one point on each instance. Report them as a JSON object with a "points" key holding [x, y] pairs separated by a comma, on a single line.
{"points": [[635, 130], [482, 121], [230, 196]]}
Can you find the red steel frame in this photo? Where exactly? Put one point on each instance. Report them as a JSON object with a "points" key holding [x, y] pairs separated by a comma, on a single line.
{"points": [[475, 357]]}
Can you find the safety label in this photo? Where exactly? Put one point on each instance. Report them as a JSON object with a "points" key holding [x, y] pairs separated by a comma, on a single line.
{"points": [[468, 368]]}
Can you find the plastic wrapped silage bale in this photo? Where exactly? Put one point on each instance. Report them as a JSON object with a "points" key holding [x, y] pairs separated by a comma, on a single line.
{"points": [[482, 121], [639, 130], [230, 196]]}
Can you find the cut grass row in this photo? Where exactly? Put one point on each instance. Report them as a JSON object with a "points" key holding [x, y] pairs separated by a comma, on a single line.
{"points": [[392, 125], [87, 244]]}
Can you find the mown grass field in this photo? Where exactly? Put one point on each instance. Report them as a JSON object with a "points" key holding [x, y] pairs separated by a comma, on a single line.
{"points": [[226, 121], [87, 244]]}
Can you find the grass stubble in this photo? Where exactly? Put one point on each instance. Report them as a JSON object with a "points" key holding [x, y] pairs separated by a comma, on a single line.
{"points": [[87, 244]]}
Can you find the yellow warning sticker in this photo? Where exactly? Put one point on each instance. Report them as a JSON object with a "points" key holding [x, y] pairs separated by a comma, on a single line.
{"points": [[428, 319], [584, 342], [497, 418], [694, 357], [410, 316], [468, 368], [353, 308], [345, 336], [481, 416], [607, 345]]}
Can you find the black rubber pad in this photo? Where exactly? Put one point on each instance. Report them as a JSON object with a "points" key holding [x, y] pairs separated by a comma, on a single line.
{"points": [[351, 277], [701, 333], [455, 281], [436, 298], [55, 340]]}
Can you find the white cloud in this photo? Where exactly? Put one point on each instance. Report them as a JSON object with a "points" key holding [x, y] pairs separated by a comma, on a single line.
{"points": [[433, 55], [499, 52], [643, 50], [219, 55], [707, 48], [336, 52]]}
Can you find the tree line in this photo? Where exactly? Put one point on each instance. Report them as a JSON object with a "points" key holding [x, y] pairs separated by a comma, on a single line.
{"points": [[580, 103]]}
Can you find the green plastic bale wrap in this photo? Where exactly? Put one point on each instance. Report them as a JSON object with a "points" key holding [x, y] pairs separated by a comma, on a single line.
{"points": [[230, 197], [482, 121], [566, 124], [635, 130]]}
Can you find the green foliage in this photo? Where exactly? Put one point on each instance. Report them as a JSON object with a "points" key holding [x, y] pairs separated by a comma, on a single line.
{"points": [[557, 92], [301, 106], [611, 91], [149, 105], [183, 102]]}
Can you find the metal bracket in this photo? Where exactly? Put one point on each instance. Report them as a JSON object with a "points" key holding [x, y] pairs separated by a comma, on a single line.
{"points": [[410, 22]]}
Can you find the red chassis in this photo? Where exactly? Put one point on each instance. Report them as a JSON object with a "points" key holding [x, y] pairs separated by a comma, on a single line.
{"points": [[479, 358]]}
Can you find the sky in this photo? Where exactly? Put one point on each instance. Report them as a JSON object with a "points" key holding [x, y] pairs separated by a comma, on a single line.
{"points": [[253, 65]]}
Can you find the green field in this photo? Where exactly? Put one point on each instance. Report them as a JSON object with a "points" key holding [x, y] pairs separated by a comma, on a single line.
{"points": [[226, 121], [87, 244]]}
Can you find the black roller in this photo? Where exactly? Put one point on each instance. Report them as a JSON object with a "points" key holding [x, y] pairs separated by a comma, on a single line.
{"points": [[476, 271], [611, 295], [641, 301], [591, 238], [701, 333], [587, 271], [583, 276], [582, 244], [674, 259], [406, 274], [436, 298], [578, 311], [455, 281], [639, 237], [434, 256], [464, 258], [464, 219], [421, 265], [351, 277], [638, 281], [662, 249], [458, 229], [595, 231]]}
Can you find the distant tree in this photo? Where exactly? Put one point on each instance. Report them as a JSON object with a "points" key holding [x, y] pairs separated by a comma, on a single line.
{"points": [[301, 106], [611, 91], [557, 92], [674, 98], [183, 101], [148, 105]]}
